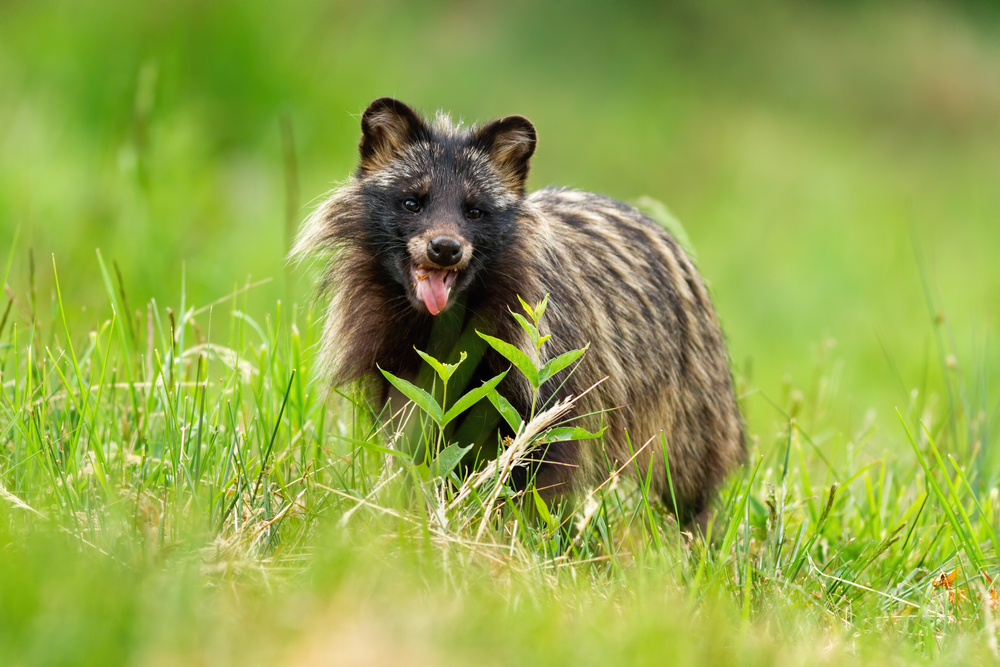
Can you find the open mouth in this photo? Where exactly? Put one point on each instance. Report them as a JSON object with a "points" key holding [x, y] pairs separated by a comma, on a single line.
{"points": [[433, 286]]}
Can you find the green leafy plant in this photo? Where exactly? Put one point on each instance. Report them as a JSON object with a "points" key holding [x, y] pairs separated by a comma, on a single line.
{"points": [[537, 373], [446, 456], [162, 440]]}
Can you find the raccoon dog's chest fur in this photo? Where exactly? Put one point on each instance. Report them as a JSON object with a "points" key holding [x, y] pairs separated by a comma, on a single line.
{"points": [[436, 224]]}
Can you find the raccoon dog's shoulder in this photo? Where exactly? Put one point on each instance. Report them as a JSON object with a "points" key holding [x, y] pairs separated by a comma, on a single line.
{"points": [[436, 224]]}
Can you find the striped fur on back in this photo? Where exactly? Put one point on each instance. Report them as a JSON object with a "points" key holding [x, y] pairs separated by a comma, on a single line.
{"points": [[617, 281]]}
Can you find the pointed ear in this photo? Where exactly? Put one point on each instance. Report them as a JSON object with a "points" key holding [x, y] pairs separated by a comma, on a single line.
{"points": [[510, 143], [387, 126]]}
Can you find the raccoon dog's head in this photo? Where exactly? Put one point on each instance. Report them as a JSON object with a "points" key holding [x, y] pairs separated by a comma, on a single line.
{"points": [[441, 203]]}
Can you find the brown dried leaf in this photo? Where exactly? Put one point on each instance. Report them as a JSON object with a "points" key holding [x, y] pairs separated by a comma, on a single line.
{"points": [[947, 580]]}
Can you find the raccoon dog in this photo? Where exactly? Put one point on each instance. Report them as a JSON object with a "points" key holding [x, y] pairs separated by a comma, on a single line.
{"points": [[436, 224]]}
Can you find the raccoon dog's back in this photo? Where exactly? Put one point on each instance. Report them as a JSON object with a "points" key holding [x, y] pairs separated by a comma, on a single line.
{"points": [[436, 219], [620, 282]]}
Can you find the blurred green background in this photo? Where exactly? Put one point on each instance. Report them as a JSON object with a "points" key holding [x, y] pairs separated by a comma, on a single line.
{"points": [[806, 147]]}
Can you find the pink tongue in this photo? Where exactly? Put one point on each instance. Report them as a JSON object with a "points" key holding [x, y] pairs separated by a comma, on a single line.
{"points": [[433, 291]]}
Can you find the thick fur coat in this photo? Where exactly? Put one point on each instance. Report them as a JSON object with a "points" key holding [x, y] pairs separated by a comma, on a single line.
{"points": [[436, 224]]}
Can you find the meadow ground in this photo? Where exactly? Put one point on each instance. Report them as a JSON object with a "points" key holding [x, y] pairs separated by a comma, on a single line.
{"points": [[175, 489]]}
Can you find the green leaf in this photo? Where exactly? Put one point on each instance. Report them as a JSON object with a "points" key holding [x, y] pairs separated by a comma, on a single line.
{"points": [[543, 510], [423, 400], [736, 517], [505, 409], [540, 307], [514, 356], [569, 433], [528, 309], [986, 520], [444, 371], [553, 366], [423, 471], [971, 547], [446, 461], [527, 326], [471, 398]]}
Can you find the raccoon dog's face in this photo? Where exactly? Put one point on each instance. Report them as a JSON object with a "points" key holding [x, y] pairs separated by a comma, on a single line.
{"points": [[442, 203]]}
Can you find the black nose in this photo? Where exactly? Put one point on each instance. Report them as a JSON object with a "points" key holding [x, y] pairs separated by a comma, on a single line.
{"points": [[444, 251]]}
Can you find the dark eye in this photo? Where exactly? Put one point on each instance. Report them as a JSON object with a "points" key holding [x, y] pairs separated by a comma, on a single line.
{"points": [[474, 214], [411, 205]]}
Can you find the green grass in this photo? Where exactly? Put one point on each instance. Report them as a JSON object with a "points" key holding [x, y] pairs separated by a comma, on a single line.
{"points": [[176, 495], [176, 488]]}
